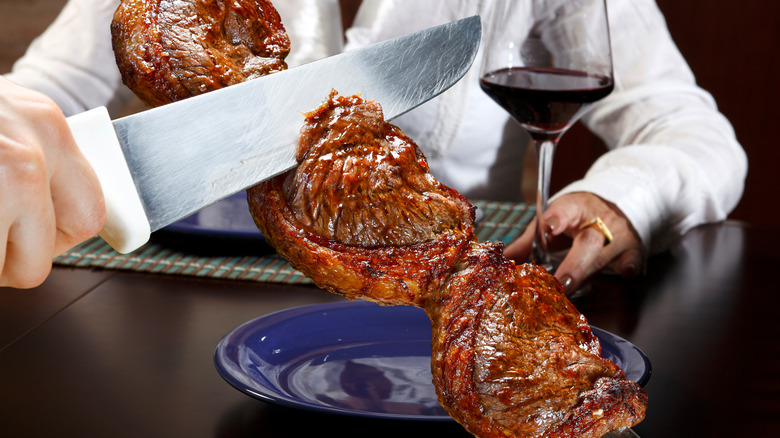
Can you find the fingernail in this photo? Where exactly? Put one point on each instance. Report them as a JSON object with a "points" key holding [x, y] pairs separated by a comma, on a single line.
{"points": [[630, 270], [566, 282], [552, 224]]}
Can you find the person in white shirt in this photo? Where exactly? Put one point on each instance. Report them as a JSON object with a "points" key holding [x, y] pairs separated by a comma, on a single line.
{"points": [[673, 161]]}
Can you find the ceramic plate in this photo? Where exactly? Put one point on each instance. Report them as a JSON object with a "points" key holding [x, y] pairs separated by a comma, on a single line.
{"points": [[355, 358], [229, 217]]}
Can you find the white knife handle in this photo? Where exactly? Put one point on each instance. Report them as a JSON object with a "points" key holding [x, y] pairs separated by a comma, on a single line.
{"points": [[127, 227]]}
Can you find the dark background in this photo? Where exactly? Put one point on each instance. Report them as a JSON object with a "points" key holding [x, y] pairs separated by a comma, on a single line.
{"points": [[731, 46]]}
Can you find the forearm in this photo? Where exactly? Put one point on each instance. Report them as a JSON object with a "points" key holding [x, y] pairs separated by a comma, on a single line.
{"points": [[674, 161]]}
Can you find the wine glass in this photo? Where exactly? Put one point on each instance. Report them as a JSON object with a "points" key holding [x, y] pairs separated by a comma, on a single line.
{"points": [[546, 62]]}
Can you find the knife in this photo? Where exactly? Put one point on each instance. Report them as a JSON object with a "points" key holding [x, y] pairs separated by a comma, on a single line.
{"points": [[164, 164]]}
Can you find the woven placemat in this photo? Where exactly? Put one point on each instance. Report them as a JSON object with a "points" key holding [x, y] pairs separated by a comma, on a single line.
{"points": [[499, 221]]}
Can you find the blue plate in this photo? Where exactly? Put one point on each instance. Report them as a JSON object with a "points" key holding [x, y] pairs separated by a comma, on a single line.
{"points": [[355, 358], [227, 218]]}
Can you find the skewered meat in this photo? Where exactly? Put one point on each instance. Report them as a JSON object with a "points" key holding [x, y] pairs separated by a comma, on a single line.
{"points": [[363, 217], [387, 235], [513, 357], [168, 50]]}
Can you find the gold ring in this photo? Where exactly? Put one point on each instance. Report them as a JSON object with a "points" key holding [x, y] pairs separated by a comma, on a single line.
{"points": [[599, 225]]}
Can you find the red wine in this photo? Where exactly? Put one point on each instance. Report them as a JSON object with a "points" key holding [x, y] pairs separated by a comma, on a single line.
{"points": [[545, 100]]}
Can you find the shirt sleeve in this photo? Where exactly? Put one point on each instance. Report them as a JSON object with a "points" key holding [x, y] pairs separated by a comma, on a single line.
{"points": [[674, 161], [73, 61], [314, 28]]}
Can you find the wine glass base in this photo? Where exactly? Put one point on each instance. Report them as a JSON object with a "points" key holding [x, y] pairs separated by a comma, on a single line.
{"points": [[582, 292], [547, 260]]}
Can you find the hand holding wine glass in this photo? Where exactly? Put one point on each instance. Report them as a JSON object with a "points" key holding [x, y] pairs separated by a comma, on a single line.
{"points": [[586, 257], [546, 63]]}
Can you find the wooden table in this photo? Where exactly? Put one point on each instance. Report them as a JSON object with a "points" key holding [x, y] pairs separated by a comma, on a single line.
{"points": [[101, 353]]}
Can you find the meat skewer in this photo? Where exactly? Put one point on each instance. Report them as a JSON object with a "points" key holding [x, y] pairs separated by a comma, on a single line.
{"points": [[511, 355], [363, 217]]}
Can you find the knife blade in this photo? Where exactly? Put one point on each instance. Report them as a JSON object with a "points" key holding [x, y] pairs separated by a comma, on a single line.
{"points": [[167, 163]]}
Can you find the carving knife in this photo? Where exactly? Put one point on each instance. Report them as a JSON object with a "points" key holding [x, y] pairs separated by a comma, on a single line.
{"points": [[164, 164]]}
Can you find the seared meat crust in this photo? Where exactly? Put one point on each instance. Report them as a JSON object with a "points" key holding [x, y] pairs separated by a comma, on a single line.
{"points": [[513, 356], [168, 50], [362, 182], [361, 215]]}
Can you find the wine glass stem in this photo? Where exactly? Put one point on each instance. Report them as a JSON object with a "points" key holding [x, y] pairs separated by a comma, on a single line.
{"points": [[545, 149]]}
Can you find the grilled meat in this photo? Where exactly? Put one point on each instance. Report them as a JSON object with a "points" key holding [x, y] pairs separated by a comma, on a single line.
{"points": [[363, 217], [168, 50], [513, 357]]}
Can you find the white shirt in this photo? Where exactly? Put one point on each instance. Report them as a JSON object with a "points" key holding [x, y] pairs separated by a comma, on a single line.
{"points": [[673, 161]]}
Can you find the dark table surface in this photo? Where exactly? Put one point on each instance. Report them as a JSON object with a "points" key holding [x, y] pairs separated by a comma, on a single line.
{"points": [[101, 353]]}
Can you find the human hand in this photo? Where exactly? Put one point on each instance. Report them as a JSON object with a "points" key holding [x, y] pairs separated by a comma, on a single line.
{"points": [[588, 254], [50, 198]]}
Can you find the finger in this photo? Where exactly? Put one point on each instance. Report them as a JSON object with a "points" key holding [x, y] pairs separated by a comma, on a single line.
{"points": [[29, 231], [77, 197], [562, 218], [4, 281], [28, 252], [587, 256], [520, 249], [555, 223], [27, 223], [630, 263]]}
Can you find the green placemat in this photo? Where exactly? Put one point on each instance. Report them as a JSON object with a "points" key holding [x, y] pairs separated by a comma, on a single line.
{"points": [[500, 221]]}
